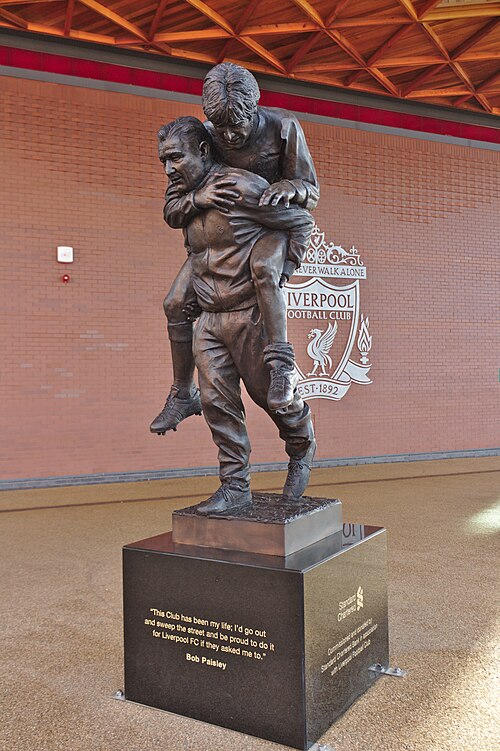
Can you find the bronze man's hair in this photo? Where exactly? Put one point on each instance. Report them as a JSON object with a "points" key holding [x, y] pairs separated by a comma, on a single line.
{"points": [[230, 94], [188, 128]]}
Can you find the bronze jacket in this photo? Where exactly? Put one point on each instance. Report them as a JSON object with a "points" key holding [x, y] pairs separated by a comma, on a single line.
{"points": [[219, 245]]}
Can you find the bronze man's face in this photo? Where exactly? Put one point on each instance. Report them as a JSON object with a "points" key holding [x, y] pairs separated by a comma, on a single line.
{"points": [[235, 135], [184, 161]]}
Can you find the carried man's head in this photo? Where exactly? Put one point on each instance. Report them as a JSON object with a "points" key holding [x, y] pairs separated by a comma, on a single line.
{"points": [[185, 150], [230, 97]]}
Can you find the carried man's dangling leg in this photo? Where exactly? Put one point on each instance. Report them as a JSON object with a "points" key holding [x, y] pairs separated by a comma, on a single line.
{"points": [[266, 264], [184, 397]]}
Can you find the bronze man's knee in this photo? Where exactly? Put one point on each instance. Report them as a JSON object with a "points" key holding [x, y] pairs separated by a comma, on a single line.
{"points": [[264, 271], [172, 308]]}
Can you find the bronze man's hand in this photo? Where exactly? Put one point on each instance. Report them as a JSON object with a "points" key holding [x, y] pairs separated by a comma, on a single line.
{"points": [[282, 191], [216, 195], [288, 269], [192, 311]]}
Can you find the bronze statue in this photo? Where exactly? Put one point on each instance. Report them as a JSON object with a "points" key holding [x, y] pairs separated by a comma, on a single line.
{"points": [[268, 142], [231, 338]]}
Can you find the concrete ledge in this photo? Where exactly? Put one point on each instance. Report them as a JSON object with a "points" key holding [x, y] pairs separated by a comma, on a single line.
{"points": [[161, 474]]}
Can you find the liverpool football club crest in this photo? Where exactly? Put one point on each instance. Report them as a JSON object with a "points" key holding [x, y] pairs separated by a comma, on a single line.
{"points": [[330, 334]]}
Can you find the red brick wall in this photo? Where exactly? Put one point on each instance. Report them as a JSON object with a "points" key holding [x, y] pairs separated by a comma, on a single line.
{"points": [[85, 365]]}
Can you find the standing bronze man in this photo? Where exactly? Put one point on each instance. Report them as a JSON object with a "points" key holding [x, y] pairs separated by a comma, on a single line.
{"points": [[268, 142], [231, 338]]}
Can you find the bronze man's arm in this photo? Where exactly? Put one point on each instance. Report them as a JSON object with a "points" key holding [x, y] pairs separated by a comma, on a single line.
{"points": [[299, 183], [180, 209]]}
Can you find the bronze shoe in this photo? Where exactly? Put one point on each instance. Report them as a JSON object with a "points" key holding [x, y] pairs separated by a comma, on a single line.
{"points": [[175, 411], [284, 381], [226, 500], [299, 471]]}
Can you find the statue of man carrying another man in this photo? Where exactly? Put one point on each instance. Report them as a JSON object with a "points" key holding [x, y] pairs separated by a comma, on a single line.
{"points": [[268, 142], [240, 186]]}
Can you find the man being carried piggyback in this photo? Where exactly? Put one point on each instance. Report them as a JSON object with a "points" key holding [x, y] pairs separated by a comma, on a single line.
{"points": [[231, 338], [268, 142]]}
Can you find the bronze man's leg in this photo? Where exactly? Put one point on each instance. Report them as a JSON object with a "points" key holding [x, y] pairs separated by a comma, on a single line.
{"points": [[180, 329], [266, 264], [246, 343], [223, 411], [221, 397], [184, 399]]}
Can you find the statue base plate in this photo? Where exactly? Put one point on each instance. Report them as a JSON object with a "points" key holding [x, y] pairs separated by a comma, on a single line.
{"points": [[273, 647], [272, 525]]}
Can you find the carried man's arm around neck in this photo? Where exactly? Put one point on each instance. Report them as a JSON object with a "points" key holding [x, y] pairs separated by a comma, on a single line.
{"points": [[180, 209]]}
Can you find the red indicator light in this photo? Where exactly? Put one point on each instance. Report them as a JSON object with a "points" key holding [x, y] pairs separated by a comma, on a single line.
{"points": [[65, 278]]}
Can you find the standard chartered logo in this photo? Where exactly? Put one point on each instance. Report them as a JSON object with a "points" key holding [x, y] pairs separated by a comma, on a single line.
{"points": [[351, 605], [359, 598]]}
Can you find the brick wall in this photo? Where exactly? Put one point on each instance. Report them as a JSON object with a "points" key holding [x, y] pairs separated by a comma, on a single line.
{"points": [[85, 365]]}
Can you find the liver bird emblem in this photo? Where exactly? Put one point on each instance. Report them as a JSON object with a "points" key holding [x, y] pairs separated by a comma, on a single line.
{"points": [[319, 348]]}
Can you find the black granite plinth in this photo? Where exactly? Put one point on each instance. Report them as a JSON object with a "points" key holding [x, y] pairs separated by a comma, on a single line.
{"points": [[272, 525], [273, 647]]}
